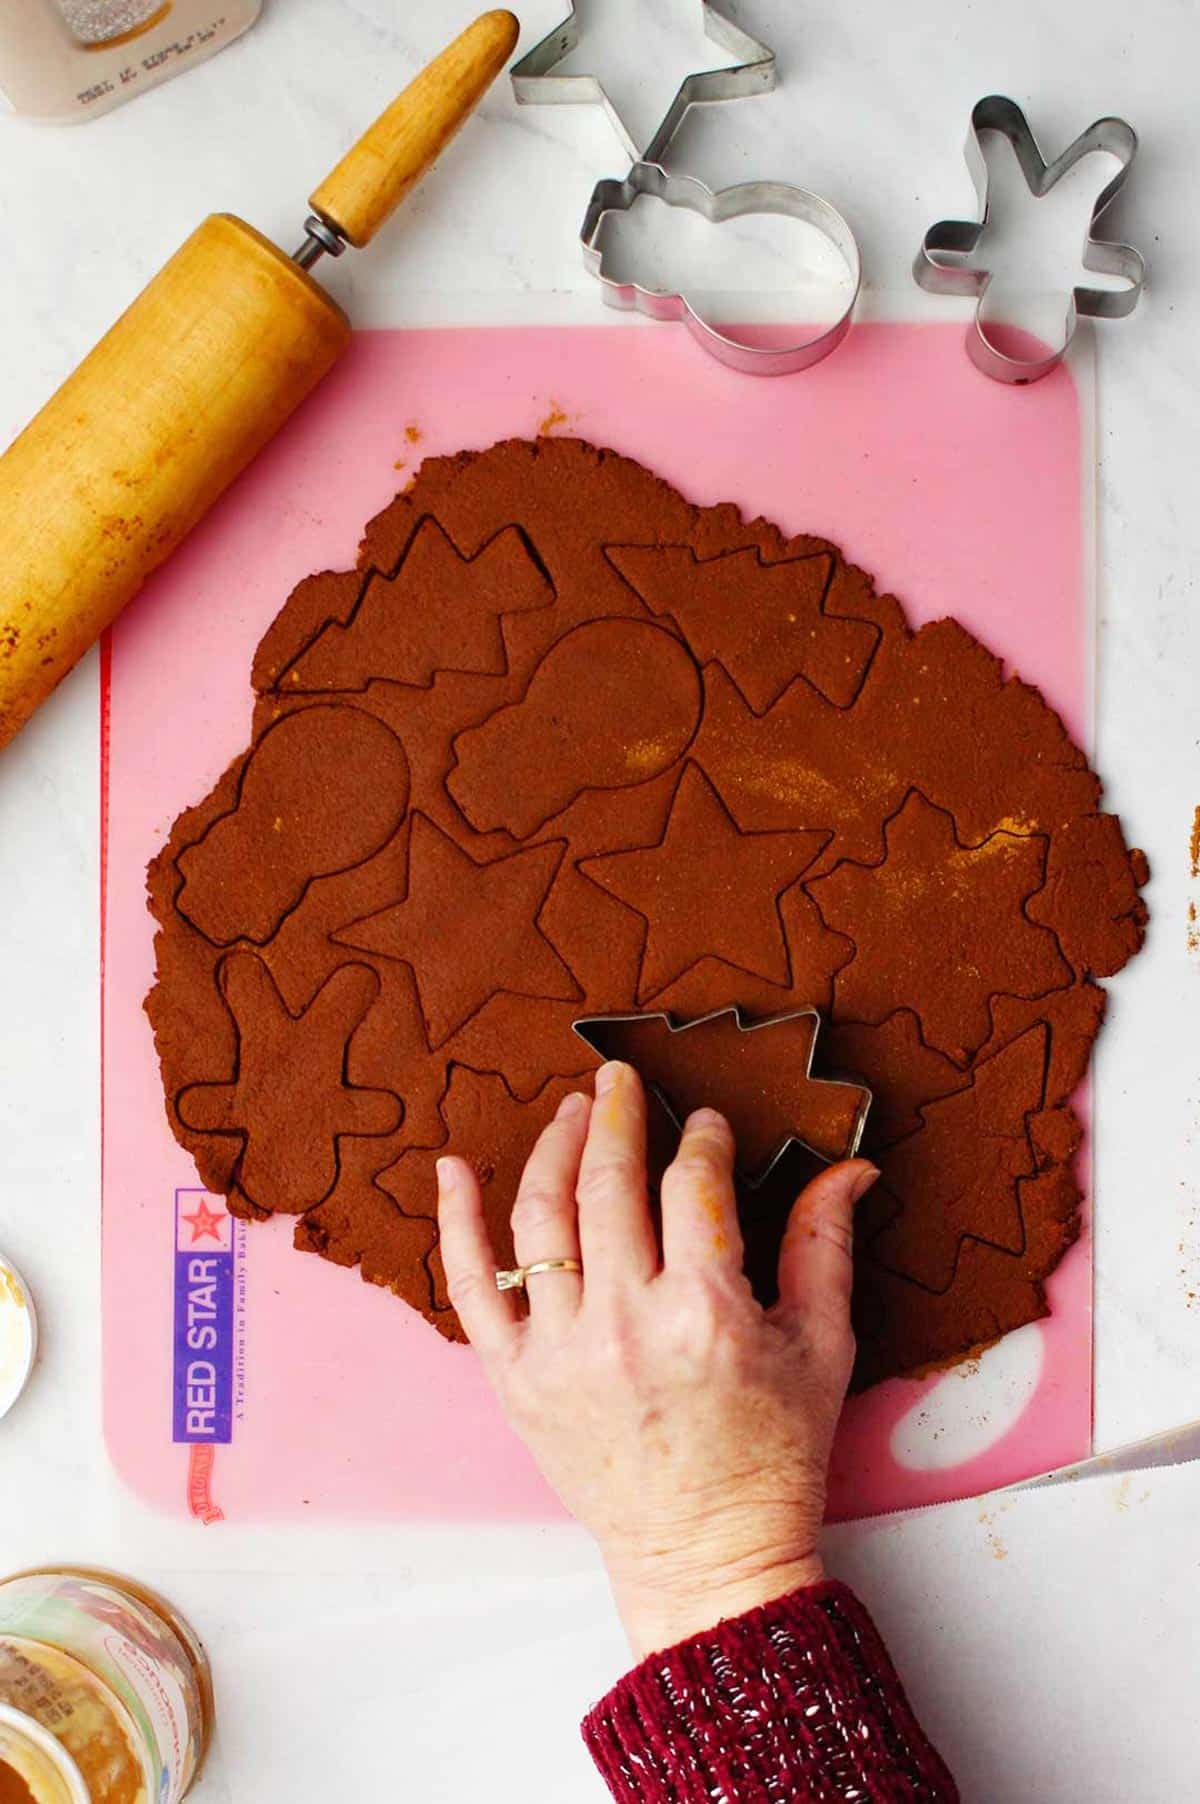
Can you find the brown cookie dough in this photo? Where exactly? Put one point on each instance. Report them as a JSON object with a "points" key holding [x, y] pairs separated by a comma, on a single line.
{"points": [[490, 906], [230, 890], [440, 611], [956, 1178], [564, 745], [487, 1124], [612, 704], [707, 889], [289, 1100], [940, 927], [793, 635]]}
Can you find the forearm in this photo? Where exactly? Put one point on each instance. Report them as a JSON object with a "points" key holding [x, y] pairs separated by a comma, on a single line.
{"points": [[797, 1699]]}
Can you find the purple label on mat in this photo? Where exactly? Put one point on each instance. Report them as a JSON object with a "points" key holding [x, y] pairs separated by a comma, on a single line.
{"points": [[204, 1318]]}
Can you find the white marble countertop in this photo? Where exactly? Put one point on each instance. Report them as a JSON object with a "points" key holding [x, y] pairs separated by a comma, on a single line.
{"points": [[1048, 1637]]}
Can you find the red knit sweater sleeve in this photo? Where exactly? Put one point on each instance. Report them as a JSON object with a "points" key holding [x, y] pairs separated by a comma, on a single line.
{"points": [[797, 1700]]}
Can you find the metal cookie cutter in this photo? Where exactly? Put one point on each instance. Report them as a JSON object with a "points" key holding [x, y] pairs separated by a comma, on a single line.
{"points": [[941, 264], [717, 205], [534, 82], [590, 1029]]}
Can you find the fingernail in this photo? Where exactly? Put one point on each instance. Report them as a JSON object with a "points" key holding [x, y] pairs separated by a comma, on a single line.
{"points": [[609, 1076], [571, 1106], [445, 1173], [862, 1183], [701, 1118]]}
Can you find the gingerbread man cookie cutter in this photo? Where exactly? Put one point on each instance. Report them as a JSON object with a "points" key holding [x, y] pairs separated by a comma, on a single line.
{"points": [[591, 1029], [535, 82], [942, 265]]}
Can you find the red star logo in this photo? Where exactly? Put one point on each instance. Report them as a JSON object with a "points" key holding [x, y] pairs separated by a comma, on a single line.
{"points": [[205, 1221]]}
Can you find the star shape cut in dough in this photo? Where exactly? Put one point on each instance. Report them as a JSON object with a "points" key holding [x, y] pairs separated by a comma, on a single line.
{"points": [[940, 927], [708, 890], [468, 930]]}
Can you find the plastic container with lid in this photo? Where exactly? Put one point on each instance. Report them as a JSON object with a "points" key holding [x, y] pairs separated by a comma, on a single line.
{"points": [[105, 1692], [66, 60]]}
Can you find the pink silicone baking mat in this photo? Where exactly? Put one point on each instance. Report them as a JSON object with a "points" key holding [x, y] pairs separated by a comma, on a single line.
{"points": [[246, 1381]]}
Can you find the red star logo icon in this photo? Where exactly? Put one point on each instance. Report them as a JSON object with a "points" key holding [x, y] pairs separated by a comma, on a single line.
{"points": [[204, 1222]]}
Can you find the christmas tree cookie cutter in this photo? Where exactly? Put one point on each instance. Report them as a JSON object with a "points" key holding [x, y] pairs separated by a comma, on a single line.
{"points": [[535, 82], [943, 266], [593, 1031]]}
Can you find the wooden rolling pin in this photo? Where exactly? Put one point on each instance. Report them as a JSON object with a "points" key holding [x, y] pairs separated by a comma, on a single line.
{"points": [[190, 384]]}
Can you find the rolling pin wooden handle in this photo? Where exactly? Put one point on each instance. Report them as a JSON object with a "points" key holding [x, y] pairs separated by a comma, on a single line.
{"points": [[372, 179], [187, 387]]}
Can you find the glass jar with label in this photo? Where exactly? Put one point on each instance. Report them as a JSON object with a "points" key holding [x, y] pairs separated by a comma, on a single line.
{"points": [[105, 1692]]}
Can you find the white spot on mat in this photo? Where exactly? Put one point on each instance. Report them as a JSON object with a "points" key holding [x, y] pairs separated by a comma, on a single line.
{"points": [[971, 1407]]}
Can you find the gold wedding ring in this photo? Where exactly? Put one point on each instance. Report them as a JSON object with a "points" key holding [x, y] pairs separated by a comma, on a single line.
{"points": [[515, 1279]]}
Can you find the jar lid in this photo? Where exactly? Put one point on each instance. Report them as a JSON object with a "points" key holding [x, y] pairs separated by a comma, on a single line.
{"points": [[18, 1335], [39, 1760]]}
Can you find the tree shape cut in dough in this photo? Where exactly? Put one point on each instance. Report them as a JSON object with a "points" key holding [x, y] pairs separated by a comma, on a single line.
{"points": [[756, 1073], [253, 865], [708, 890], [941, 927], [957, 1177], [612, 704], [790, 633], [900, 1070], [487, 1126], [290, 1098], [440, 611], [468, 930], [771, 774]]}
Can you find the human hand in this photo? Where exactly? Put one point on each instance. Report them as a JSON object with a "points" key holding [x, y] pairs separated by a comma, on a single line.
{"points": [[686, 1427]]}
